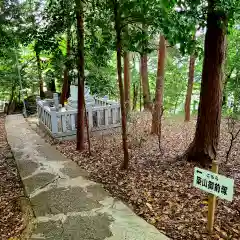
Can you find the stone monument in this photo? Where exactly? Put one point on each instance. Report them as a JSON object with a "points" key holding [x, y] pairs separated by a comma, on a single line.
{"points": [[73, 99]]}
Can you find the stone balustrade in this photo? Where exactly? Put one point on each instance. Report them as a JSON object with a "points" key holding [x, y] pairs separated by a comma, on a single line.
{"points": [[60, 121]]}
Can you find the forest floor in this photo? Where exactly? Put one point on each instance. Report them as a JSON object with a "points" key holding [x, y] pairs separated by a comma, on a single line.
{"points": [[11, 217], [157, 186]]}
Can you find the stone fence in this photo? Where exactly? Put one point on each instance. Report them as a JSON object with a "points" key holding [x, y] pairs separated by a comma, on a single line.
{"points": [[62, 121]]}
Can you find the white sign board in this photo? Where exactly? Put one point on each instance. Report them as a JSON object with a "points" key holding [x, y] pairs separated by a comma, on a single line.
{"points": [[213, 183]]}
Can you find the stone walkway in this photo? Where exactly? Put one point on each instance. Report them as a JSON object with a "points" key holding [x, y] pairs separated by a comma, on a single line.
{"points": [[67, 205]]}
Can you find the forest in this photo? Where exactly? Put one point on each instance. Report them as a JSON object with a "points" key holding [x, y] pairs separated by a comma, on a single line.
{"points": [[174, 67]]}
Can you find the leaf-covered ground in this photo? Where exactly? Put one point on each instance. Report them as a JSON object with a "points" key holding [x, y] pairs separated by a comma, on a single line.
{"points": [[157, 186], [11, 217]]}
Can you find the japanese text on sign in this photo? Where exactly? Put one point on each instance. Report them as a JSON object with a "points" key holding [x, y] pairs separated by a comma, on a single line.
{"points": [[213, 183]]}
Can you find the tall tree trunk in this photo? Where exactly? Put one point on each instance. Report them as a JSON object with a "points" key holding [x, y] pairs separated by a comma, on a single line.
{"points": [[158, 106], [119, 70], [52, 86], [135, 89], [145, 84], [41, 92], [144, 73], [189, 88], [68, 89], [203, 149], [127, 82], [66, 69], [135, 95], [80, 66], [225, 96]]}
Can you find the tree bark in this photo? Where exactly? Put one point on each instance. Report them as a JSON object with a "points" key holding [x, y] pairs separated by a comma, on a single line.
{"points": [[66, 70], [147, 104], [203, 149], [119, 70], [80, 66], [158, 106], [41, 92], [68, 89], [52, 86], [189, 88], [135, 95], [136, 86], [127, 83], [144, 73]]}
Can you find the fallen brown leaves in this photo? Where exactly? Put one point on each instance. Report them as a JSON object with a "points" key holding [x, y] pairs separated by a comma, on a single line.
{"points": [[11, 218], [158, 187]]}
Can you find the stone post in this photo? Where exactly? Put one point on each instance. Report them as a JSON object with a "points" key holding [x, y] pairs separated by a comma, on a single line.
{"points": [[106, 112], [54, 121], [90, 117], [38, 99], [56, 101]]}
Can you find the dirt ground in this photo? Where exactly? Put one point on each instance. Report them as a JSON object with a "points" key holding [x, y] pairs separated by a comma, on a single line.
{"points": [[11, 217], [157, 186]]}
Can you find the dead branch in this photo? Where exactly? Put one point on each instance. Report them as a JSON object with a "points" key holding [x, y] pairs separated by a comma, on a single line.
{"points": [[87, 125]]}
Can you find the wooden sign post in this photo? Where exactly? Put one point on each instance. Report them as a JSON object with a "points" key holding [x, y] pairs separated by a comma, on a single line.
{"points": [[216, 185], [212, 203]]}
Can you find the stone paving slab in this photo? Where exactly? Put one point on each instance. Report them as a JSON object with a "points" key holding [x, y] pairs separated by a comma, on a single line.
{"points": [[66, 204]]}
